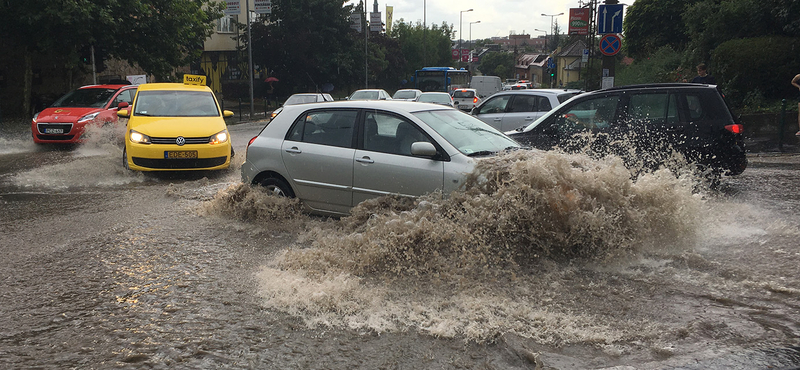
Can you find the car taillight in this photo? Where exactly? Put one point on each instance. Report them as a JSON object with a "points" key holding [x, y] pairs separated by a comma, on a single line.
{"points": [[735, 128], [252, 140], [475, 100]]}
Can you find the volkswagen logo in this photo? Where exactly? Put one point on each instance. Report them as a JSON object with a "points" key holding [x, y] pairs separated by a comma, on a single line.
{"points": [[180, 141]]}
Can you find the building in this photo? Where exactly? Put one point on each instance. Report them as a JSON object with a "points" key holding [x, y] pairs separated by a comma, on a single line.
{"points": [[568, 63]]}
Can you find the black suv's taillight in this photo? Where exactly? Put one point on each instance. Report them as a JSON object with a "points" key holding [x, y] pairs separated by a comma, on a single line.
{"points": [[735, 128]]}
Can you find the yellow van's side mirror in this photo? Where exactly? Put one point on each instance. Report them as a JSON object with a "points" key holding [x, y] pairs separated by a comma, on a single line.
{"points": [[227, 113], [123, 113]]}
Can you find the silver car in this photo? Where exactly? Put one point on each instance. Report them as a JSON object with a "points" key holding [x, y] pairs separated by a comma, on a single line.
{"points": [[369, 94], [437, 98], [335, 155], [303, 98], [509, 110]]}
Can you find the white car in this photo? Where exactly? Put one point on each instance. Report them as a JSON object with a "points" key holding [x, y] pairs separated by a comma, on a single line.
{"points": [[436, 98], [406, 94], [369, 94], [332, 156], [466, 99], [509, 110], [303, 98]]}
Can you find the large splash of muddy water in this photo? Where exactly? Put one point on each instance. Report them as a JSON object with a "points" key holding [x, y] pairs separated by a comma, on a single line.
{"points": [[512, 253]]}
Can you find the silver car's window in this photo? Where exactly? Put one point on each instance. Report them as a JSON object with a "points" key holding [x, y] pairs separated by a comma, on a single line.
{"points": [[171, 103], [495, 105], [300, 99], [365, 95], [468, 134], [326, 127], [390, 134]]}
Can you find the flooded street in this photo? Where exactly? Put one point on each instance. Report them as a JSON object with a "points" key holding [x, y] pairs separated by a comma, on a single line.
{"points": [[563, 263]]}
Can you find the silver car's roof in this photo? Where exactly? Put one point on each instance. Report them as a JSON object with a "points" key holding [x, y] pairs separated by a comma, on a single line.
{"points": [[399, 106]]}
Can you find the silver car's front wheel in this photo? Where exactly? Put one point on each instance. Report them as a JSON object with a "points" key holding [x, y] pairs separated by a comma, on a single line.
{"points": [[278, 187]]}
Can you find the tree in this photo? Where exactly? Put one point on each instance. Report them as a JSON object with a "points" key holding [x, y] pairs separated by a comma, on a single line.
{"points": [[158, 35], [423, 46], [499, 64], [651, 24]]}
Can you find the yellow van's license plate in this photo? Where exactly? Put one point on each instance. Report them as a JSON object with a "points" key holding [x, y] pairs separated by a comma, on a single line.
{"points": [[180, 154]]}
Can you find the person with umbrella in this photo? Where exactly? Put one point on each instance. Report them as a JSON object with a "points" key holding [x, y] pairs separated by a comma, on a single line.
{"points": [[271, 90]]}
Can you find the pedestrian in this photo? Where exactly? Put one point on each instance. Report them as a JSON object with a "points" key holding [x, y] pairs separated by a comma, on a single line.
{"points": [[702, 76], [796, 83]]}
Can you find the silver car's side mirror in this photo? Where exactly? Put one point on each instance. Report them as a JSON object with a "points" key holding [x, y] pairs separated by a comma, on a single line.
{"points": [[423, 149]]}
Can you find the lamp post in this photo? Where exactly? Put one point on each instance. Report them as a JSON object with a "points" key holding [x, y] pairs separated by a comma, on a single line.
{"points": [[545, 38], [551, 20], [470, 33], [460, 22]]}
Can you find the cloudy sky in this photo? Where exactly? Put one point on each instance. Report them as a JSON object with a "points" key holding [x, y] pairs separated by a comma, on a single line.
{"points": [[497, 18]]}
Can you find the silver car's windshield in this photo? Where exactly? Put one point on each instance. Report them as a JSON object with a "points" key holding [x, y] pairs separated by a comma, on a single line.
{"points": [[468, 134]]}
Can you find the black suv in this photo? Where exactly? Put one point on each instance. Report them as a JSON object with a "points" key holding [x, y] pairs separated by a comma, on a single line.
{"points": [[645, 124]]}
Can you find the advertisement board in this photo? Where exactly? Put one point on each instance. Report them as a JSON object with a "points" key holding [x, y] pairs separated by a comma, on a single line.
{"points": [[578, 21]]}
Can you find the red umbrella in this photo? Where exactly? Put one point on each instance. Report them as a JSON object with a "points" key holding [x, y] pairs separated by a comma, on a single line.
{"points": [[271, 79]]}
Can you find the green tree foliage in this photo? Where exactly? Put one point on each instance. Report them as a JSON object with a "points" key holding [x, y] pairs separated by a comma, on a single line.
{"points": [[650, 24], [499, 64], [158, 35], [308, 43], [745, 76], [423, 46]]}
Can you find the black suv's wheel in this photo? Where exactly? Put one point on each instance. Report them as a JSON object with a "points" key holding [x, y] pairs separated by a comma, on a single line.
{"points": [[278, 187]]}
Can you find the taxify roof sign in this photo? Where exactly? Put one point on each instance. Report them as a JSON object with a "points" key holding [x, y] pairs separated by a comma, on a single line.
{"points": [[194, 80]]}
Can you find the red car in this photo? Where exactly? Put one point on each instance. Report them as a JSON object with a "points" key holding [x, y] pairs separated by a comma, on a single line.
{"points": [[65, 120]]}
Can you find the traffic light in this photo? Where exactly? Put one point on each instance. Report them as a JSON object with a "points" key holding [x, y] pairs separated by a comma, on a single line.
{"points": [[99, 59], [85, 54]]}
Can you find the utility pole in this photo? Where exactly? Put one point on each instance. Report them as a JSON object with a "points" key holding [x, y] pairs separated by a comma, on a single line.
{"points": [[249, 57]]}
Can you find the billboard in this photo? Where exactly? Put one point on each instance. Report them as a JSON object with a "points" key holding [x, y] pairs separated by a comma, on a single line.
{"points": [[579, 21]]}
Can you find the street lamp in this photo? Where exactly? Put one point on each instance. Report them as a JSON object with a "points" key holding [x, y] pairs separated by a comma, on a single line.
{"points": [[551, 20], [545, 38], [470, 33], [460, 17]]}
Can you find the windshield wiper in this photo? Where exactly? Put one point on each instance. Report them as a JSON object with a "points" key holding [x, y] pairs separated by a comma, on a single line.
{"points": [[481, 153]]}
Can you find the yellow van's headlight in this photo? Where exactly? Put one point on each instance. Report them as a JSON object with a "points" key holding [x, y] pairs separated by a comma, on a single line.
{"points": [[218, 138], [138, 137]]}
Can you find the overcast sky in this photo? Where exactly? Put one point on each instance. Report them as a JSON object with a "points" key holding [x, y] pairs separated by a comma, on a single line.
{"points": [[497, 18]]}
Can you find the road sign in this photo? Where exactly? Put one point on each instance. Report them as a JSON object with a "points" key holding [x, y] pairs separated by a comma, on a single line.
{"points": [[551, 63], [455, 53], [263, 6], [609, 19], [610, 45]]}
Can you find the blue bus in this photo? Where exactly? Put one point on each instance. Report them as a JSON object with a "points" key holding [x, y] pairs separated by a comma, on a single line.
{"points": [[442, 79]]}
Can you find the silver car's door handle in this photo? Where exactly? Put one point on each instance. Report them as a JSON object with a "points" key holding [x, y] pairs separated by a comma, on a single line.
{"points": [[498, 119], [294, 150], [364, 160]]}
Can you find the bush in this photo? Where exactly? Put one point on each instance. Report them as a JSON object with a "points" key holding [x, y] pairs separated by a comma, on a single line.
{"points": [[751, 78]]}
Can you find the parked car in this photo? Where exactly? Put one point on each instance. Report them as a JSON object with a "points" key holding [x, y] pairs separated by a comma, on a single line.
{"points": [[406, 94], [333, 156], [653, 120], [370, 94], [303, 98], [466, 99], [176, 127], [437, 98], [64, 122], [508, 110]]}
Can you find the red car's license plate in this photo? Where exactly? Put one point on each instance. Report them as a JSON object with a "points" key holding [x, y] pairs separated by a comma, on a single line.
{"points": [[180, 154], [54, 131]]}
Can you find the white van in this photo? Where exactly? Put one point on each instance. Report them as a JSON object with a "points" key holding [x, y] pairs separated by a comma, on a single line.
{"points": [[486, 85]]}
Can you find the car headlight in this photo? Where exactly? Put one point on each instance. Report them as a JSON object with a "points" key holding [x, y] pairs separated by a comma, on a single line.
{"points": [[138, 137], [218, 138], [88, 117], [35, 116]]}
